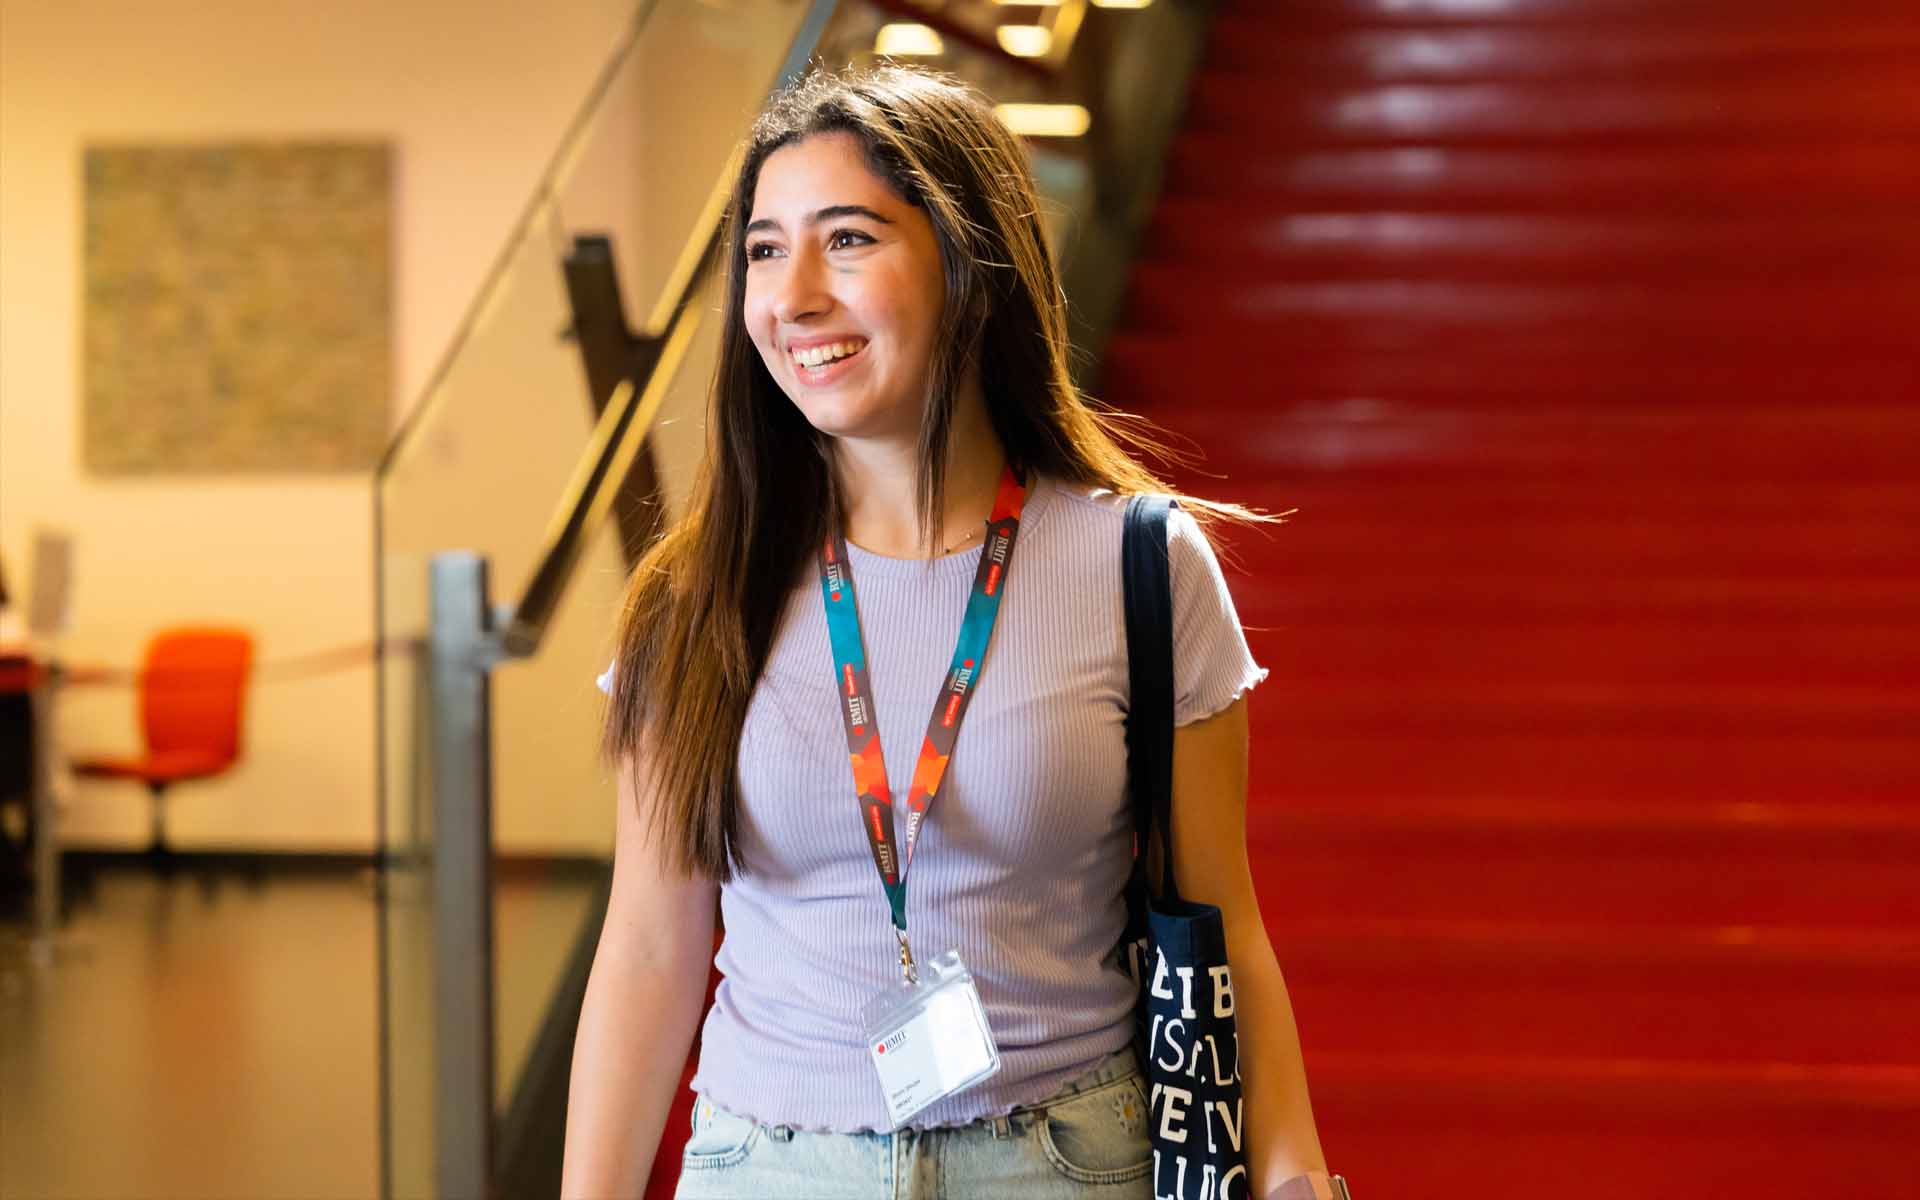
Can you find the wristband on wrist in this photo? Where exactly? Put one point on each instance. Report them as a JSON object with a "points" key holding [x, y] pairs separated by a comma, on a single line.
{"points": [[1314, 1185]]}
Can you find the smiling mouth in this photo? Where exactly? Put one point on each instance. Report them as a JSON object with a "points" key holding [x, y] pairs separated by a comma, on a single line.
{"points": [[818, 360]]}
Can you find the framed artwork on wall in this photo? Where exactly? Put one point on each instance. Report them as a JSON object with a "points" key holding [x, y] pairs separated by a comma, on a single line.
{"points": [[237, 306]]}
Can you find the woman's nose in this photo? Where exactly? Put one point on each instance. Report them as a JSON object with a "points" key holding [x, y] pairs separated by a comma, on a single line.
{"points": [[802, 292]]}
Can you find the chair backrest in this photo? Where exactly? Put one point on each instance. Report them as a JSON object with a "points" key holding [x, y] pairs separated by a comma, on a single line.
{"points": [[52, 567], [193, 690]]}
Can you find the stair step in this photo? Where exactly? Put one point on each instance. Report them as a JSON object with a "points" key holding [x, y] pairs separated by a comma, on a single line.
{"points": [[1851, 177], [1155, 373], [1872, 98], [1630, 542], [1528, 592], [1636, 452], [1833, 667], [1750, 52], [1592, 1129], [1590, 15], [1628, 1087], [1493, 450], [1177, 298], [1275, 367], [1367, 511], [1220, 237], [1678, 822], [1824, 768], [1632, 864], [1627, 548], [1735, 994], [1707, 498], [1415, 705], [1277, 593]]}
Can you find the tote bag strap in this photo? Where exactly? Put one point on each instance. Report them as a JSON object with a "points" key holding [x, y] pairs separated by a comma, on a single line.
{"points": [[1149, 608]]}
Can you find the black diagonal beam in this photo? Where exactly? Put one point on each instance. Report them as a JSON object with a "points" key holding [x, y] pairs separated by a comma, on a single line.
{"points": [[611, 352]]}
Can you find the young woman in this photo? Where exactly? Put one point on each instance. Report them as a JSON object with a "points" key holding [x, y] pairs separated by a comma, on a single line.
{"points": [[892, 377]]}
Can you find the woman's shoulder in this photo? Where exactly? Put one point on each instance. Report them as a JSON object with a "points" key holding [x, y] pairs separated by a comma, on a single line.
{"points": [[1107, 509], [1078, 523], [1091, 495], [1086, 503]]}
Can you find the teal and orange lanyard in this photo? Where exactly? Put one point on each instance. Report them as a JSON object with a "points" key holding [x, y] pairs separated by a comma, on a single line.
{"points": [[949, 708]]}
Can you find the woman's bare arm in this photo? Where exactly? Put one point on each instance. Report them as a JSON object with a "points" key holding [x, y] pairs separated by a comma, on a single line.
{"points": [[642, 1005], [1210, 863]]}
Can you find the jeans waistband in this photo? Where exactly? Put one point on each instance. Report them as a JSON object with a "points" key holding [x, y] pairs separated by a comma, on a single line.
{"points": [[1111, 1069], [1121, 1064]]}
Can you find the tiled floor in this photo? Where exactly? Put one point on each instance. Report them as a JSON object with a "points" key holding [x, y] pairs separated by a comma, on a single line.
{"points": [[217, 1038], [194, 1041]]}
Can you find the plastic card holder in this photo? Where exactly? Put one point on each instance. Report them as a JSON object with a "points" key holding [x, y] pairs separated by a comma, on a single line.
{"points": [[929, 1039]]}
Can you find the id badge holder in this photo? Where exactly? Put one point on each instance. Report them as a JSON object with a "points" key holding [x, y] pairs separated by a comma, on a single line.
{"points": [[929, 1038]]}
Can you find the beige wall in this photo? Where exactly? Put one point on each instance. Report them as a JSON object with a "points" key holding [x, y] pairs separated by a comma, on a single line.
{"points": [[473, 96]]}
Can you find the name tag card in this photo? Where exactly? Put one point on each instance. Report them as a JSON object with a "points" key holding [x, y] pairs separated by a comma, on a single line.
{"points": [[930, 1039]]}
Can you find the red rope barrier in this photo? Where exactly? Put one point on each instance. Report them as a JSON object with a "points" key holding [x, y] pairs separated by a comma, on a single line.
{"points": [[299, 666]]}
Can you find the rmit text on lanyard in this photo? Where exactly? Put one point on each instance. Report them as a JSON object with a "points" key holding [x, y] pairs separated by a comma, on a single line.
{"points": [[949, 708]]}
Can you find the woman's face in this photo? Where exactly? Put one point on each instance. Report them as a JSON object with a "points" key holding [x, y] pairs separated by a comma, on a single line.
{"points": [[844, 289]]}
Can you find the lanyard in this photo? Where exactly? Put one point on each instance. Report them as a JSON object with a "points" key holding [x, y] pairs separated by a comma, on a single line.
{"points": [[949, 707]]}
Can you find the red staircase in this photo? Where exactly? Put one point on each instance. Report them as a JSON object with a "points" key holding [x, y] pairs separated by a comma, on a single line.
{"points": [[1583, 336]]}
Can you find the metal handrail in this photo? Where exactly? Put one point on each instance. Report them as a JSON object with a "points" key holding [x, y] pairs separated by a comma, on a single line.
{"points": [[611, 450], [547, 187], [617, 437], [624, 423]]}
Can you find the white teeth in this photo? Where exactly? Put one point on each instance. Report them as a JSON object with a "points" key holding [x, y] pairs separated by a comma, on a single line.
{"points": [[819, 355]]}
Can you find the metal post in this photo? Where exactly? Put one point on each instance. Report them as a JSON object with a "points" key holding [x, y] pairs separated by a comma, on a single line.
{"points": [[461, 654], [46, 818]]}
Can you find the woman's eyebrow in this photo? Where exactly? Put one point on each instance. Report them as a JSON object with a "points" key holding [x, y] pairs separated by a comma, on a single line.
{"points": [[828, 213]]}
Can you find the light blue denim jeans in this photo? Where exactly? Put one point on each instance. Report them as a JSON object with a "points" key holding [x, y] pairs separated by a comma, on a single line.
{"points": [[1088, 1140]]}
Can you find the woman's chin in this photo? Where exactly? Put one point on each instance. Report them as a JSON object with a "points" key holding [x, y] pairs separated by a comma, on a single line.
{"points": [[853, 422]]}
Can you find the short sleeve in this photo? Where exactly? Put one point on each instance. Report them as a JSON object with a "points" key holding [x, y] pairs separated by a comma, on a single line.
{"points": [[605, 681], [1212, 666]]}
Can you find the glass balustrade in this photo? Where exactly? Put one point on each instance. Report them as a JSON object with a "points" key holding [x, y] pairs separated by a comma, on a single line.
{"points": [[481, 464]]}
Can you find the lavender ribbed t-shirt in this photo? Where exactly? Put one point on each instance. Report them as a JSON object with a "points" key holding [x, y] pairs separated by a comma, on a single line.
{"points": [[1024, 854]]}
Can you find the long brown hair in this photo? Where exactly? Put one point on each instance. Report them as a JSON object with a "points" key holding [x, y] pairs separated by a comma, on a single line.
{"points": [[701, 608]]}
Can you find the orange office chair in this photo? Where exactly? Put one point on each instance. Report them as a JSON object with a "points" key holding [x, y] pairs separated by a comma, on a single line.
{"points": [[192, 690]]}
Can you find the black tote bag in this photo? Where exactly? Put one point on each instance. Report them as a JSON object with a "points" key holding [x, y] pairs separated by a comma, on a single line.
{"points": [[1174, 949]]}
